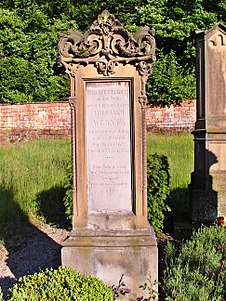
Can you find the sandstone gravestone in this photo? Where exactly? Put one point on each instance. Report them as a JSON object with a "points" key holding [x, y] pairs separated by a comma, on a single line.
{"points": [[208, 181], [108, 70]]}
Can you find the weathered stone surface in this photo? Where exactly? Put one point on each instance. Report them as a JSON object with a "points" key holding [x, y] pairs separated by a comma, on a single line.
{"points": [[110, 255]]}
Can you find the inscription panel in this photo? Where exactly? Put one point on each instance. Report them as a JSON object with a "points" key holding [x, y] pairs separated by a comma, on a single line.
{"points": [[108, 146]]}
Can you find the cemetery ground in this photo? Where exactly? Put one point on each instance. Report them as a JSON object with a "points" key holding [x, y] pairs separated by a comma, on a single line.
{"points": [[32, 186], [32, 216]]}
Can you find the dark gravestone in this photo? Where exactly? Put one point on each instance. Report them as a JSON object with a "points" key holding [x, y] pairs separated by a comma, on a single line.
{"points": [[208, 181]]}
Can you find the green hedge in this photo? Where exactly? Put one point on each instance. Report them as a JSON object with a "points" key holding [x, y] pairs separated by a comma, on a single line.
{"points": [[197, 272], [60, 285]]}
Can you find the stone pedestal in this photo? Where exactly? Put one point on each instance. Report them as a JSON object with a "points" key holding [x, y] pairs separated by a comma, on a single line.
{"points": [[110, 254]]}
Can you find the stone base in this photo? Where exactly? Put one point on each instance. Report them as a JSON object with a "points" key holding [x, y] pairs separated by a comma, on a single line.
{"points": [[207, 196], [110, 254], [203, 206]]}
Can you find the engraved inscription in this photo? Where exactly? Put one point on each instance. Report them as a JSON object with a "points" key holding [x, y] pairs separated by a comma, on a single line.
{"points": [[108, 146]]}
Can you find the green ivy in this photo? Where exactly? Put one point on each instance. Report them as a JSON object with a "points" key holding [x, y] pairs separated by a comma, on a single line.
{"points": [[60, 284], [68, 194]]}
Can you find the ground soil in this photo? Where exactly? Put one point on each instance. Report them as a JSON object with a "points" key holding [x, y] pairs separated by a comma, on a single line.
{"points": [[37, 248]]}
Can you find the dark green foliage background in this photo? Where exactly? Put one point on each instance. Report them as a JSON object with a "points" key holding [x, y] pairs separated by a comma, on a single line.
{"points": [[29, 68]]}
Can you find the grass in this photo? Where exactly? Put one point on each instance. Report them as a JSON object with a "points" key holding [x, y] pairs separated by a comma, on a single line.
{"points": [[32, 176], [29, 173], [179, 150]]}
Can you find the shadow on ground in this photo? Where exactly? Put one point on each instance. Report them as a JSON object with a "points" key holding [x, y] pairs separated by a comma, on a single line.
{"points": [[178, 201], [51, 206], [27, 249]]}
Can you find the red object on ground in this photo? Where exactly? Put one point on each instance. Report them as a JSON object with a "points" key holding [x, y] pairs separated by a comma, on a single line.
{"points": [[220, 221]]}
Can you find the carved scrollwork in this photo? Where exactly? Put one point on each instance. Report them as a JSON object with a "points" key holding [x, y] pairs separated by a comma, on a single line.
{"points": [[105, 67], [143, 100], [105, 45], [144, 68], [72, 69]]}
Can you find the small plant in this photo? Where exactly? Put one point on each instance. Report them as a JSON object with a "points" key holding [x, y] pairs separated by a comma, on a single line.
{"points": [[197, 271], [60, 285], [151, 287], [120, 289], [157, 189]]}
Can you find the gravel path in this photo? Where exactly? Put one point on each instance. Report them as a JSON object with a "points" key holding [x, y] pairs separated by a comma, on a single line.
{"points": [[37, 248]]}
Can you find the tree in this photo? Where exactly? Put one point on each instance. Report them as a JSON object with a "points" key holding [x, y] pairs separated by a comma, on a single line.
{"points": [[28, 43], [29, 68]]}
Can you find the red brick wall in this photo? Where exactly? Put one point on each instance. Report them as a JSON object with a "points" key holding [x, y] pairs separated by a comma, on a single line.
{"points": [[172, 118], [33, 120]]}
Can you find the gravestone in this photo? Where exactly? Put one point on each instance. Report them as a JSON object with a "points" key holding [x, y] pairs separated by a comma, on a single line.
{"points": [[108, 70], [208, 181]]}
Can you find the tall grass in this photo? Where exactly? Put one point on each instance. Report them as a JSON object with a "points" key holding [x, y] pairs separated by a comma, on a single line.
{"points": [[32, 174], [28, 171], [179, 150]]}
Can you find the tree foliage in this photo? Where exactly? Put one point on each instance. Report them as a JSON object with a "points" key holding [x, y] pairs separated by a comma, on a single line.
{"points": [[29, 68]]}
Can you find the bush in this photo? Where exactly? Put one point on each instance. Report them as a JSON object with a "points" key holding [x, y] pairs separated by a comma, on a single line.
{"points": [[157, 189], [60, 284], [197, 272], [68, 194]]}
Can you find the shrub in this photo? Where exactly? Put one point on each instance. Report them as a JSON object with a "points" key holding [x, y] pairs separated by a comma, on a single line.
{"points": [[197, 272], [68, 194], [157, 189], [60, 284]]}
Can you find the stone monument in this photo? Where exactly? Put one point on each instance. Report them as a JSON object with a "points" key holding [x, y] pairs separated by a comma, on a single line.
{"points": [[108, 70], [208, 181]]}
